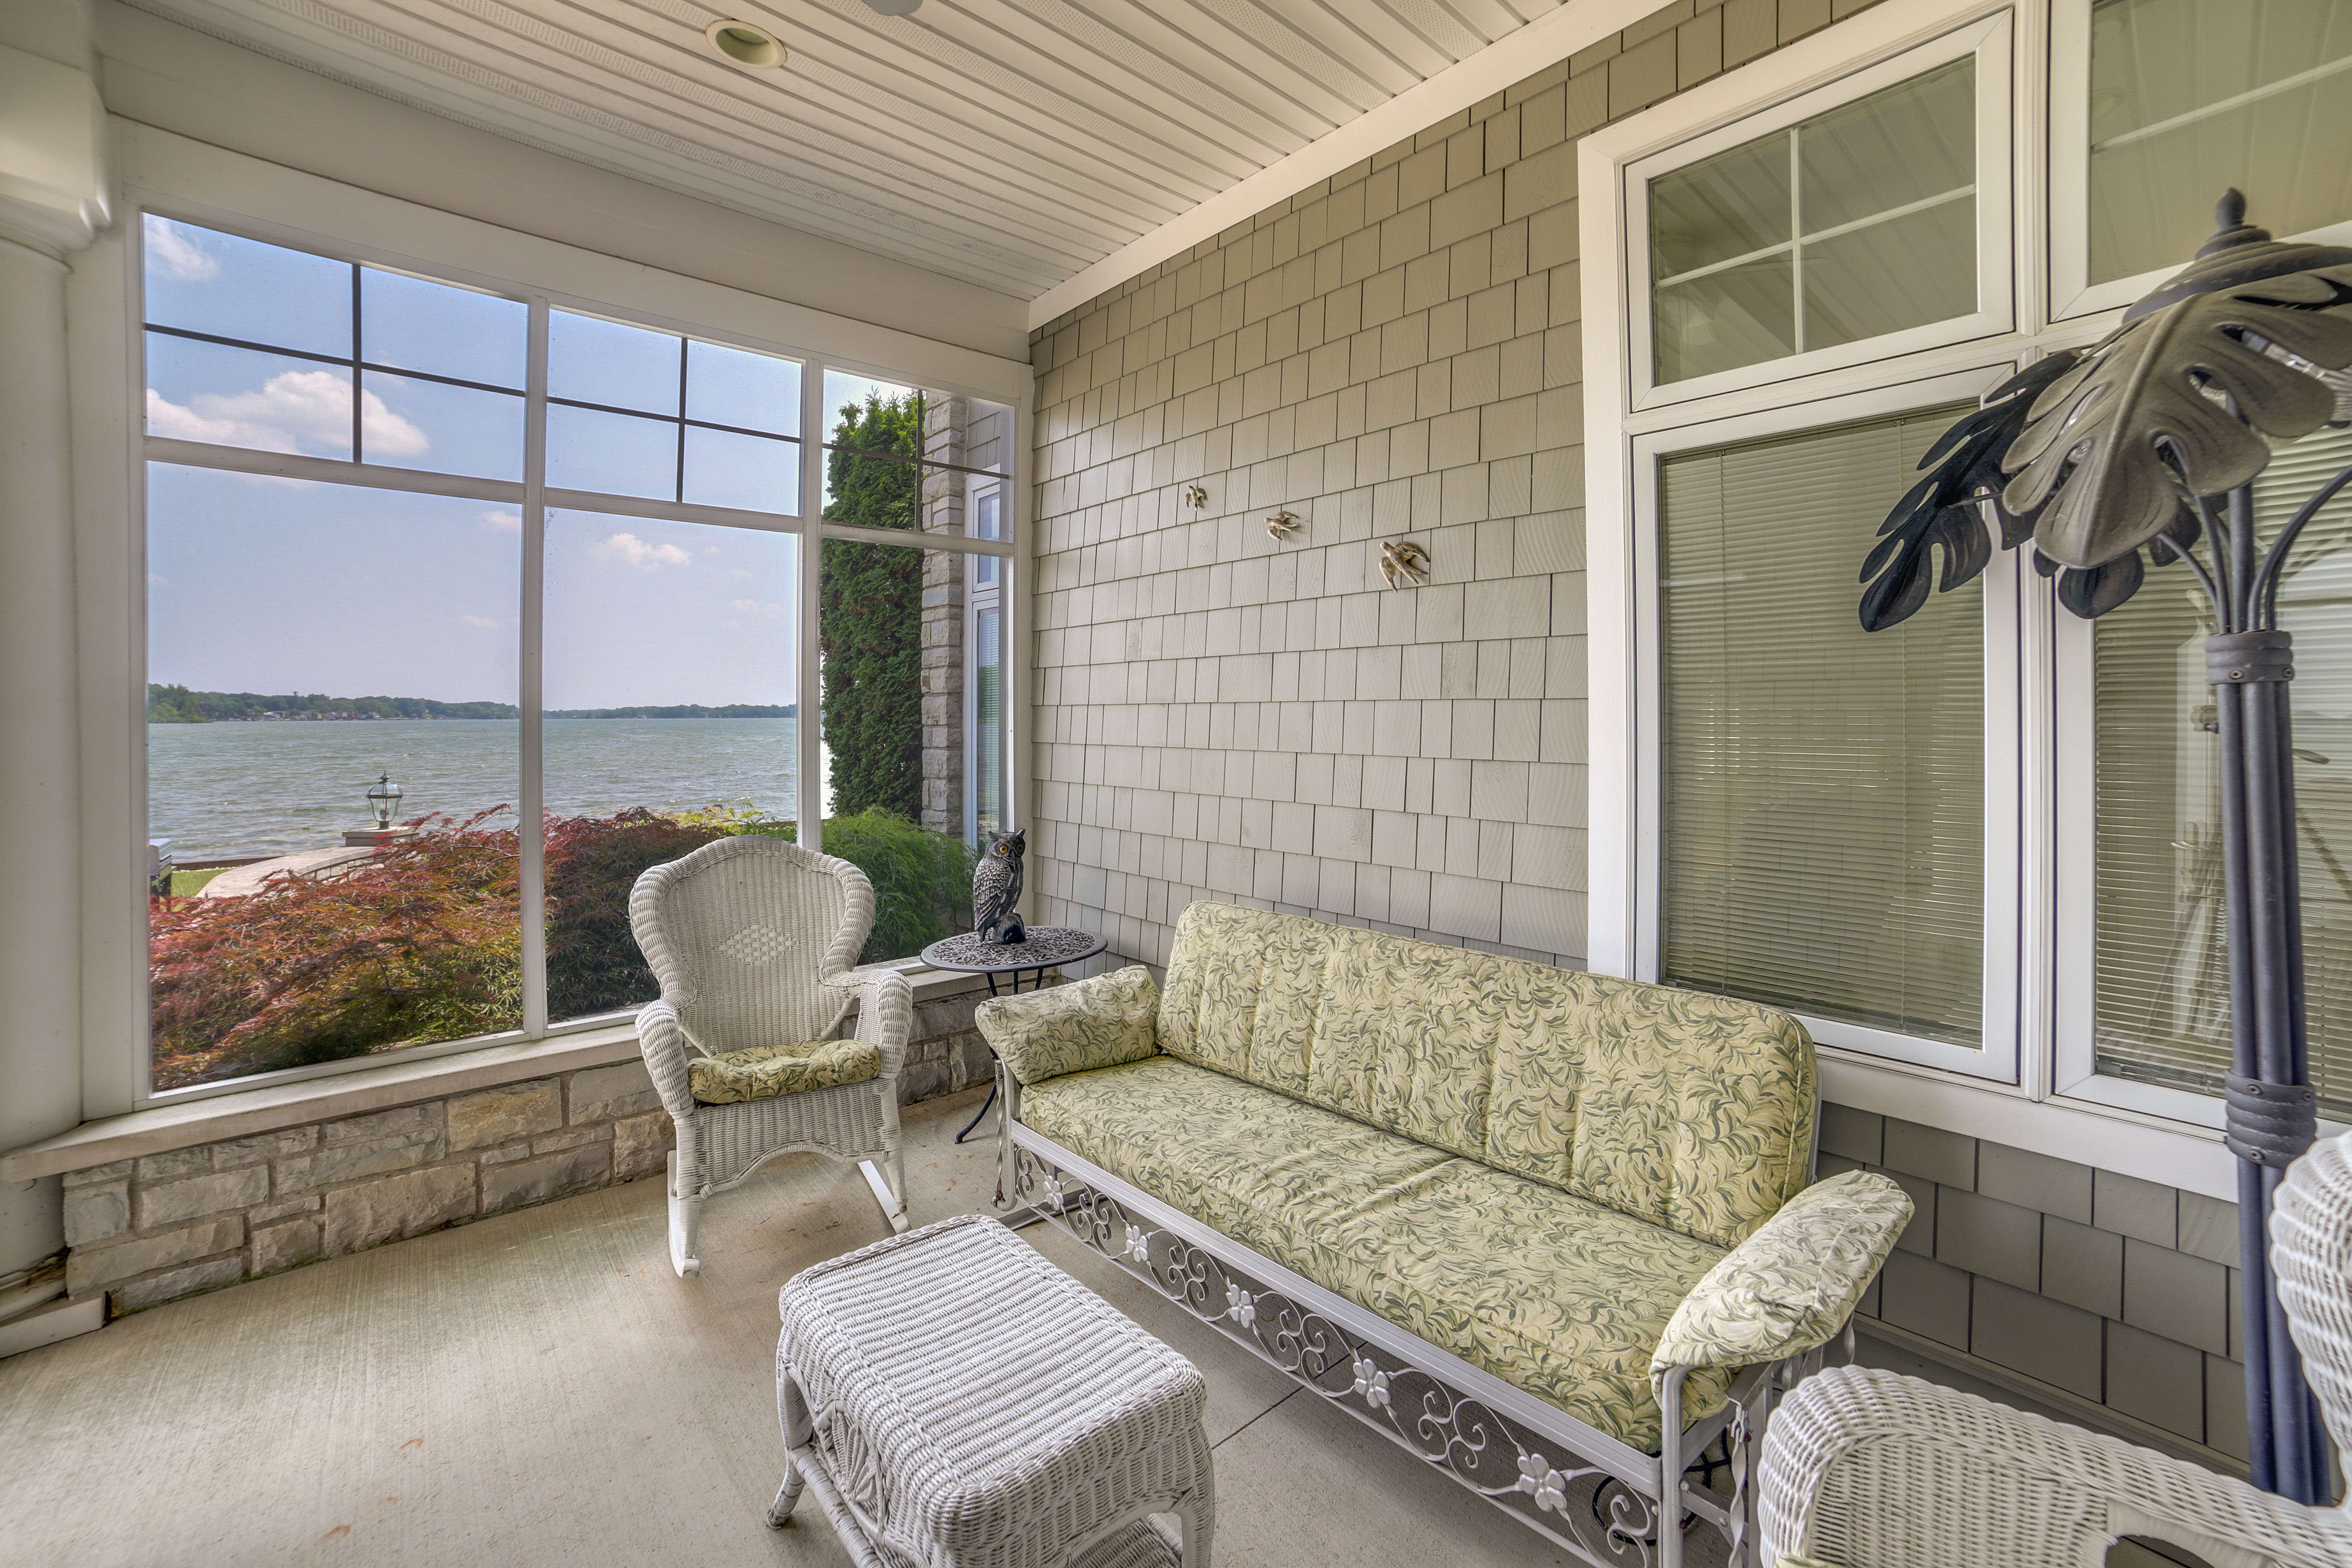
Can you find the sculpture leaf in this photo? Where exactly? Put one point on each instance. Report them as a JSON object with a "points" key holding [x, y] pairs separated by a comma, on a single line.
{"points": [[1940, 513], [2108, 445]]}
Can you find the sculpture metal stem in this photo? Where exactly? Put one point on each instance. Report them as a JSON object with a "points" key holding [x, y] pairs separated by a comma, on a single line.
{"points": [[2270, 1108]]}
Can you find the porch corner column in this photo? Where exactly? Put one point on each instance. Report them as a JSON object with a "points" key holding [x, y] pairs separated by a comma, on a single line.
{"points": [[54, 198]]}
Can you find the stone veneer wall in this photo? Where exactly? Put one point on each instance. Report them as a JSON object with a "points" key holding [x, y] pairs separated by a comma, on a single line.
{"points": [[1396, 353], [165, 1225]]}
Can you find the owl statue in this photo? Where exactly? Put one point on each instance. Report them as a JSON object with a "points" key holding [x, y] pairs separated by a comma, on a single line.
{"points": [[996, 888]]}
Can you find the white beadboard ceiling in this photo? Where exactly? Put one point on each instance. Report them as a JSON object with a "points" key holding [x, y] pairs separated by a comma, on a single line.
{"points": [[1011, 144]]}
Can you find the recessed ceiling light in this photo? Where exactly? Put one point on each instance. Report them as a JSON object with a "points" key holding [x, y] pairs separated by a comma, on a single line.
{"points": [[746, 43]]}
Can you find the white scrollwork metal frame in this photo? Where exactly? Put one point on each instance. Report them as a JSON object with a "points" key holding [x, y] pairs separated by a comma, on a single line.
{"points": [[1545, 1468]]}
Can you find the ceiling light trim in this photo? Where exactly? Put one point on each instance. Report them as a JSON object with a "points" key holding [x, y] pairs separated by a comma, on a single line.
{"points": [[1509, 60]]}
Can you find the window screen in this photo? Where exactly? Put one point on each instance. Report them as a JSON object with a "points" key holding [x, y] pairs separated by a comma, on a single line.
{"points": [[2191, 97], [1823, 787], [1850, 224], [2161, 980]]}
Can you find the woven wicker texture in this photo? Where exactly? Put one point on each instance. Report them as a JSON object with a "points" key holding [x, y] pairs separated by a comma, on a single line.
{"points": [[970, 1405], [1865, 1470], [751, 940]]}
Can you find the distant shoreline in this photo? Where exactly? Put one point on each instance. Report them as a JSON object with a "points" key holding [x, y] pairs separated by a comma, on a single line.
{"points": [[178, 705]]}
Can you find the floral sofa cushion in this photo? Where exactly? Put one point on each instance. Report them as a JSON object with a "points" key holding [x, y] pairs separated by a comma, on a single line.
{"points": [[1094, 1023], [762, 1072], [1692, 1110], [1562, 1297]]}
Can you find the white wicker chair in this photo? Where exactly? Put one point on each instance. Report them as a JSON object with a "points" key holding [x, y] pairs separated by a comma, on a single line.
{"points": [[1866, 1470], [752, 940]]}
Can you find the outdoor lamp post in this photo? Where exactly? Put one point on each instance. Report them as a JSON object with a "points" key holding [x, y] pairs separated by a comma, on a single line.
{"points": [[382, 796], [2134, 452]]}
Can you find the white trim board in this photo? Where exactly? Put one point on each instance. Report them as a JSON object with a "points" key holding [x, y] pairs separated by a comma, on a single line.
{"points": [[1505, 63]]}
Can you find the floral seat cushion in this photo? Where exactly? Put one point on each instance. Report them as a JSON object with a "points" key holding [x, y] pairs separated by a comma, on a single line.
{"points": [[1558, 1295], [762, 1072]]}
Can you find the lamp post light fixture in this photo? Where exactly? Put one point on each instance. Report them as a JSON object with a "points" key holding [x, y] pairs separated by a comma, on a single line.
{"points": [[2133, 453], [382, 796]]}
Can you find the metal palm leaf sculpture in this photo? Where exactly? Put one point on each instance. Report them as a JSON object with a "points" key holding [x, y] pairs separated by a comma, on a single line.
{"points": [[2136, 452]]}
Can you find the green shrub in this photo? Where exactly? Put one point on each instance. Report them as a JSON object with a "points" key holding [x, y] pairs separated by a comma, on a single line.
{"points": [[870, 615], [922, 881]]}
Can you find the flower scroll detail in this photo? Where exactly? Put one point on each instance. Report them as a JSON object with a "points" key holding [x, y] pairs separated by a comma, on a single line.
{"points": [[1371, 1382], [1548, 1486], [1139, 1245], [1240, 1306]]}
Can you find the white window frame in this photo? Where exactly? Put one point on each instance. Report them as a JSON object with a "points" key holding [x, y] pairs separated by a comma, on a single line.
{"points": [[2034, 1105], [1996, 1058], [2071, 291], [1988, 41], [177, 178]]}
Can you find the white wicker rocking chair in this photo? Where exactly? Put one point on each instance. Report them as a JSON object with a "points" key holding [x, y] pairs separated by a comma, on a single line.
{"points": [[1865, 1470], [752, 940]]}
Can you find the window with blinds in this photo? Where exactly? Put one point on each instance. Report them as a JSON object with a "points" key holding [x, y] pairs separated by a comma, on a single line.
{"points": [[1822, 788], [2160, 989]]}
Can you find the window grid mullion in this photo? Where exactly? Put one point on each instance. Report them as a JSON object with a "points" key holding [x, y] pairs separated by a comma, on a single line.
{"points": [[530, 697]]}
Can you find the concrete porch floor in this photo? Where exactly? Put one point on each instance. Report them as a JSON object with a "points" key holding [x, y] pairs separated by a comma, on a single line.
{"points": [[541, 1389]]}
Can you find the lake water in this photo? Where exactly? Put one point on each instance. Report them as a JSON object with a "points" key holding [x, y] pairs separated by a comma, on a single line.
{"points": [[219, 790]]}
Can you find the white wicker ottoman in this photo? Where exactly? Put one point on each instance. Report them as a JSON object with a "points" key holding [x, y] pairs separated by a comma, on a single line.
{"points": [[954, 1399]]}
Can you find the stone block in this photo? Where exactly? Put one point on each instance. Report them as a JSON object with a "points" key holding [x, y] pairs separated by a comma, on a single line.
{"points": [[158, 1289], [264, 1147], [607, 1094], [503, 1114], [88, 1268], [327, 1166], [501, 1155], [113, 1170], [641, 1145], [922, 1081], [95, 1214], [571, 1138], [175, 1163], [971, 1062], [403, 1120], [402, 1205], [268, 1213], [536, 1180], [283, 1246], [171, 1202], [2035, 1181]]}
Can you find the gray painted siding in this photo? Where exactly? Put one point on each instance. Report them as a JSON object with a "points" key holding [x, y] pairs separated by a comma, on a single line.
{"points": [[1396, 353]]}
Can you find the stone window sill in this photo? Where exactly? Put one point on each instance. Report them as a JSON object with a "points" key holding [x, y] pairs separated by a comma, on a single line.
{"points": [[163, 1128]]}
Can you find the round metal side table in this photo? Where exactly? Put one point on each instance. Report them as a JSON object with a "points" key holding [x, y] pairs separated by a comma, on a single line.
{"points": [[973, 954]]}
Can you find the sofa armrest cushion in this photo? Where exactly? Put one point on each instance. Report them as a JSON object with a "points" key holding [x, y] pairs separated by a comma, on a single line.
{"points": [[1791, 1287], [1097, 1023]]}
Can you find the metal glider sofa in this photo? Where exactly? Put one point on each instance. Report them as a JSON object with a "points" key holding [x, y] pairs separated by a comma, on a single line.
{"points": [[1550, 1231]]}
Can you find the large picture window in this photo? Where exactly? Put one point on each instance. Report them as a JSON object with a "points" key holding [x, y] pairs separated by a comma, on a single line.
{"points": [[547, 573]]}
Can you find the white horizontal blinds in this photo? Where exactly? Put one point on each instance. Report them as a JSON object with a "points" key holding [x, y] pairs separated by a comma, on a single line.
{"points": [[2191, 97], [2161, 995], [1823, 848], [1850, 224]]}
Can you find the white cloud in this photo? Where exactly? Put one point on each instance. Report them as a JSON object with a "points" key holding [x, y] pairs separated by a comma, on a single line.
{"points": [[176, 252], [292, 407], [157, 579], [487, 623], [753, 607], [628, 549], [498, 519]]}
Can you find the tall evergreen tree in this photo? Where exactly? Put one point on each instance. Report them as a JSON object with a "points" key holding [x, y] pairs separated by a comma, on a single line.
{"points": [[870, 617]]}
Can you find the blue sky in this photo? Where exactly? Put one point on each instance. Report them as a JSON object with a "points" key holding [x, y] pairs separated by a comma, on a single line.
{"points": [[268, 584]]}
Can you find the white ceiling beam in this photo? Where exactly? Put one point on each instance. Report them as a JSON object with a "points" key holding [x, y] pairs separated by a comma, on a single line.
{"points": [[1509, 60]]}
